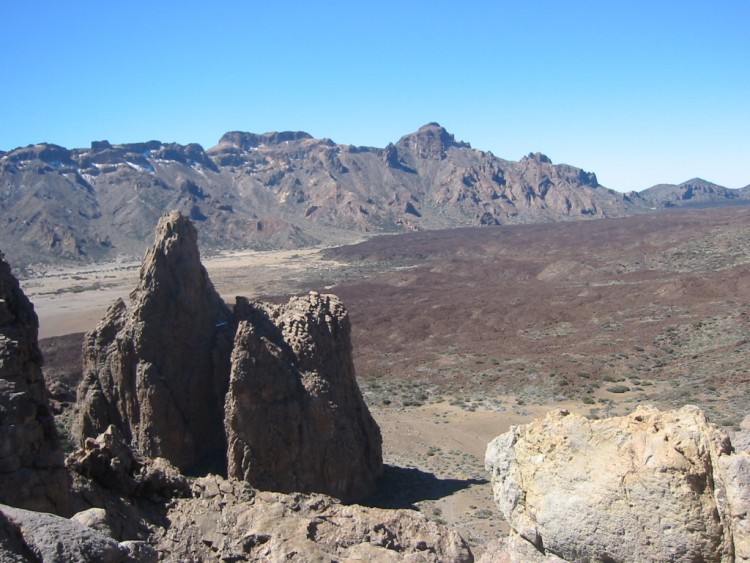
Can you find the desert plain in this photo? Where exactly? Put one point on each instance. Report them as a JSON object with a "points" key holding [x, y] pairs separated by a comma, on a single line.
{"points": [[459, 334]]}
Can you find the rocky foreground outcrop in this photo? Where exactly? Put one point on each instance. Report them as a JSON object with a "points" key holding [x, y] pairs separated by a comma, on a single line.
{"points": [[31, 462], [158, 369], [130, 500], [230, 521], [651, 486], [27, 536]]}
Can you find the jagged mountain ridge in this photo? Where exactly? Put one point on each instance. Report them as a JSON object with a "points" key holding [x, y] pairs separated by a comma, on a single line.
{"points": [[276, 190], [695, 191]]}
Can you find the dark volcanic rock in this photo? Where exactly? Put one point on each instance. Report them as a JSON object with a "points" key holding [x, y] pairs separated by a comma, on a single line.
{"points": [[158, 367], [295, 418], [32, 474]]}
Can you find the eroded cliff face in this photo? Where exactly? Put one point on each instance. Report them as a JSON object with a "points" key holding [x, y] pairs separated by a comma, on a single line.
{"points": [[651, 486], [158, 368], [293, 390], [32, 474]]}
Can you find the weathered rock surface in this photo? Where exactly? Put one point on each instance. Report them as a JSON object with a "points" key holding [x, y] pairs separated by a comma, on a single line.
{"points": [[119, 492], [35, 536], [295, 417], [651, 486], [109, 461], [158, 367], [32, 474], [229, 521], [741, 438]]}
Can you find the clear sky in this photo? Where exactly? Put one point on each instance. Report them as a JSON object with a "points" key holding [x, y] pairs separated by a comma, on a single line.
{"points": [[639, 92]]}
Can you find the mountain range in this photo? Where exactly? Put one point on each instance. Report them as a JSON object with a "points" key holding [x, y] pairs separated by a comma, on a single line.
{"points": [[288, 190]]}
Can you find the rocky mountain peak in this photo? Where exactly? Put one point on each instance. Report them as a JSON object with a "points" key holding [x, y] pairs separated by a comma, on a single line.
{"points": [[277, 190], [45, 152], [693, 191], [701, 183], [537, 157], [430, 141]]}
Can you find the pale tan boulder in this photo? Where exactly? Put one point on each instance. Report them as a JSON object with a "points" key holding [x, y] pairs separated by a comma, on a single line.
{"points": [[651, 486]]}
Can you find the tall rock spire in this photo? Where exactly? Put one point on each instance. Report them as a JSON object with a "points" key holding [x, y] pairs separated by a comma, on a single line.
{"points": [[158, 366]]}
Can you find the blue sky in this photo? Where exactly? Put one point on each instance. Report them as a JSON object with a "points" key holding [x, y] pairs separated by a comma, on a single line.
{"points": [[638, 92]]}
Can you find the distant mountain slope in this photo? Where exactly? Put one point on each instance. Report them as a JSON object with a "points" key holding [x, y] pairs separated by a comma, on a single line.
{"points": [[276, 190], [693, 192]]}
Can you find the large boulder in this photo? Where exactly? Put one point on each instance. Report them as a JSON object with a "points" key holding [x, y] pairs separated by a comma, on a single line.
{"points": [[32, 474], [295, 417], [651, 486], [229, 521], [35, 536], [158, 366]]}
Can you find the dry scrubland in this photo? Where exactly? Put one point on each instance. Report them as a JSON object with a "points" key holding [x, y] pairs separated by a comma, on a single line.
{"points": [[458, 334]]}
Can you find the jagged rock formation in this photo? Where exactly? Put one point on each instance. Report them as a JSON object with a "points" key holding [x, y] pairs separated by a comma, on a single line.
{"points": [[118, 491], [651, 486], [158, 367], [110, 462], [145, 511], [229, 521], [293, 390], [31, 462], [277, 190]]}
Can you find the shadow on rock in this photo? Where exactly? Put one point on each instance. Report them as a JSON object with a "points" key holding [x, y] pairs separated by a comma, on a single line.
{"points": [[403, 487]]}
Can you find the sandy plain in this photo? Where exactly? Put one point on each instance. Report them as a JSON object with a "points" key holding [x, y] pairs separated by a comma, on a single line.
{"points": [[73, 299]]}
